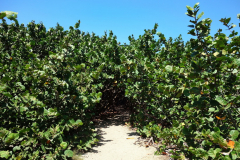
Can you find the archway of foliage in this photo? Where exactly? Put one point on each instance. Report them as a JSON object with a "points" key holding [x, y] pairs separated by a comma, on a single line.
{"points": [[52, 82]]}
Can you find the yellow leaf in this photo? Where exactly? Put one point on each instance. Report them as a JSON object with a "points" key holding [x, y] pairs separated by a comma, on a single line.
{"points": [[230, 144], [10, 58], [219, 118], [130, 138], [224, 52], [19, 157], [115, 83], [215, 54], [233, 52]]}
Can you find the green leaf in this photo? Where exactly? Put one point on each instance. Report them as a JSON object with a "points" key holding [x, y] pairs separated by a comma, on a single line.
{"points": [[24, 131], [34, 125], [88, 145], [192, 32], [191, 26], [222, 58], [210, 119], [77, 24], [3, 87], [2, 15], [159, 33], [217, 130], [179, 94], [11, 137], [238, 16], [196, 5], [234, 134], [71, 121], [202, 152], [64, 145], [189, 8], [169, 68], [43, 148], [45, 112], [151, 123], [194, 90], [227, 157], [79, 122], [22, 109], [218, 150], [221, 100], [213, 153], [186, 92], [234, 155], [68, 153], [52, 111], [19, 84], [235, 71], [236, 62], [171, 88], [181, 70], [3, 133], [10, 14], [200, 15], [4, 154], [99, 94], [7, 94], [237, 146], [16, 148], [46, 134], [211, 109]]}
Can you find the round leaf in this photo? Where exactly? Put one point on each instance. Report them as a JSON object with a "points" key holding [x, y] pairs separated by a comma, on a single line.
{"points": [[16, 148], [68, 153], [4, 154], [64, 145], [234, 134]]}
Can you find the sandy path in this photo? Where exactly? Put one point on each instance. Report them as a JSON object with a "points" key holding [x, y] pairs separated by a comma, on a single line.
{"points": [[116, 142]]}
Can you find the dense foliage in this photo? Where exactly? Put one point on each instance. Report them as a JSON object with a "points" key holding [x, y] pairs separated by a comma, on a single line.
{"points": [[49, 87], [186, 95]]}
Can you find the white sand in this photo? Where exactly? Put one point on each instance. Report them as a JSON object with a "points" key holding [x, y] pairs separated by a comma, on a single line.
{"points": [[117, 143]]}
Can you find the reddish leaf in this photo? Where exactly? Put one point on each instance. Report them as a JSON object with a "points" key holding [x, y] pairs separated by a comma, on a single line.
{"points": [[164, 153]]}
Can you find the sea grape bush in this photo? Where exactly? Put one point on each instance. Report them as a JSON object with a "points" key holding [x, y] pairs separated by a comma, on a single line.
{"points": [[49, 87], [184, 95], [188, 95]]}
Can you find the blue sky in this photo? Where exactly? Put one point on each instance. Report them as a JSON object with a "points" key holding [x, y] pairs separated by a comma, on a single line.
{"points": [[123, 17]]}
